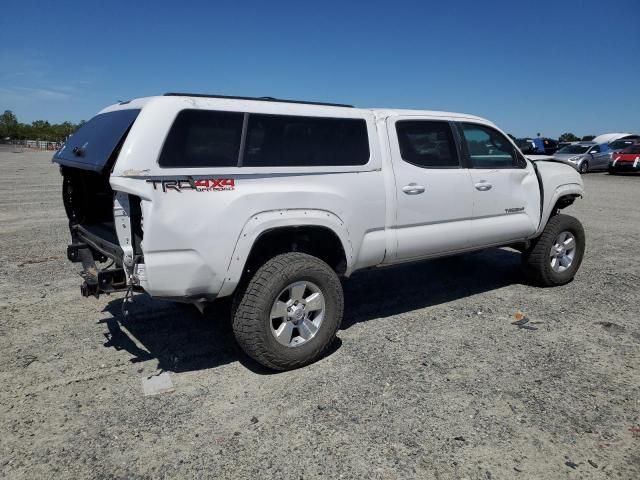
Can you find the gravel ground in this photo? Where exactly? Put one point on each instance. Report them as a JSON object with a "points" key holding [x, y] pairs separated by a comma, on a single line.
{"points": [[428, 379]]}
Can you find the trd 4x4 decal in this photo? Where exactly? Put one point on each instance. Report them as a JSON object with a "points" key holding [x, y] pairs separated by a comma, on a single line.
{"points": [[202, 185]]}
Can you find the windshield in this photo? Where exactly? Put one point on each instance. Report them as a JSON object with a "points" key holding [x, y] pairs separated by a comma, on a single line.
{"points": [[574, 149], [92, 145]]}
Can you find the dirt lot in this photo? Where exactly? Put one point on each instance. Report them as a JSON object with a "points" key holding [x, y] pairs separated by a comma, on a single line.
{"points": [[429, 379]]}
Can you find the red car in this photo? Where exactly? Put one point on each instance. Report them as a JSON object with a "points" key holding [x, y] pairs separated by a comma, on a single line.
{"points": [[626, 161]]}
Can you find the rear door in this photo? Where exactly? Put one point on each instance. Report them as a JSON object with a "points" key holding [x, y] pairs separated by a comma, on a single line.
{"points": [[506, 194], [433, 189]]}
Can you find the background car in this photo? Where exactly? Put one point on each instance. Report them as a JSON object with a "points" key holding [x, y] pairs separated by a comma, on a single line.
{"points": [[526, 145], [610, 137], [626, 161], [546, 146], [585, 156], [618, 146]]}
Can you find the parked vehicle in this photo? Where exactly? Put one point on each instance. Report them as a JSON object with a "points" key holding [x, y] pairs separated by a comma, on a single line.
{"points": [[618, 146], [610, 137], [585, 156], [537, 146], [626, 161], [545, 146], [202, 197], [526, 146]]}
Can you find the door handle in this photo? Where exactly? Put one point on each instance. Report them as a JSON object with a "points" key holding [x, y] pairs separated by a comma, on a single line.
{"points": [[413, 189], [483, 186]]}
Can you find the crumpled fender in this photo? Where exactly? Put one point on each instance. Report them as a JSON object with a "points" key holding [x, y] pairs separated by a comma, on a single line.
{"points": [[558, 180]]}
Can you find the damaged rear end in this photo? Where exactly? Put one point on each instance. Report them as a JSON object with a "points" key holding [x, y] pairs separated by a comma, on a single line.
{"points": [[105, 225]]}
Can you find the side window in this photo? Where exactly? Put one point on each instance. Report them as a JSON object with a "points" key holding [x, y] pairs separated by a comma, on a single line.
{"points": [[203, 138], [488, 148], [427, 144], [283, 140], [595, 149]]}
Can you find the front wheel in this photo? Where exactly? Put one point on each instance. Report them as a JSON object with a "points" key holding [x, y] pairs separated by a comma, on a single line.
{"points": [[555, 256], [584, 167], [288, 314]]}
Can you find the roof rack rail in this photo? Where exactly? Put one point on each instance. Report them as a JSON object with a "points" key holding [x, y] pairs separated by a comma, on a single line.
{"points": [[262, 99]]}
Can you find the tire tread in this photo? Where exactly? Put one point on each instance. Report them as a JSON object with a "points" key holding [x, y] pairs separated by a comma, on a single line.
{"points": [[247, 311]]}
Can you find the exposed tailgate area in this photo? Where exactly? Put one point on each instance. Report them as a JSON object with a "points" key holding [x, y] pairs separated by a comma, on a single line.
{"points": [[86, 161]]}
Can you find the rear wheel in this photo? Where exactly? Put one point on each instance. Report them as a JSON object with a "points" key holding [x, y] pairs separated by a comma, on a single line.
{"points": [[289, 312], [584, 167], [555, 256]]}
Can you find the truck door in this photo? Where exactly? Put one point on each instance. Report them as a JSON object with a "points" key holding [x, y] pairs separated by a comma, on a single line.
{"points": [[506, 194], [433, 189]]}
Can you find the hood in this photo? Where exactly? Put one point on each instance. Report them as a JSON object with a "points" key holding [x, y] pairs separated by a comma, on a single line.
{"points": [[555, 174], [564, 157], [537, 158]]}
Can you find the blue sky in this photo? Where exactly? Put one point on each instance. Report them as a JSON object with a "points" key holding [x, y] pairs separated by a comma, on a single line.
{"points": [[543, 66]]}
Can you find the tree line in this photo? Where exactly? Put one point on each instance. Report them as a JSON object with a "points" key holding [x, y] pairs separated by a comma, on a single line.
{"points": [[12, 129]]}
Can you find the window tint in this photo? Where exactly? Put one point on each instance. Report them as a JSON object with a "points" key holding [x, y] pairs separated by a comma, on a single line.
{"points": [[427, 144], [488, 148], [632, 149], [281, 140], [595, 149], [203, 138]]}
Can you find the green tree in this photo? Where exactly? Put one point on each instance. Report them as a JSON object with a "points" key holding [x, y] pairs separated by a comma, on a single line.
{"points": [[568, 137], [37, 130], [588, 138], [8, 125]]}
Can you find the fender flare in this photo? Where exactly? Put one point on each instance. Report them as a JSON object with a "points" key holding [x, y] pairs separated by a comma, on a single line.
{"points": [[560, 191], [262, 222]]}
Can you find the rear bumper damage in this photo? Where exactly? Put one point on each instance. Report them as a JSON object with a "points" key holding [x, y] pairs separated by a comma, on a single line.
{"points": [[95, 243], [96, 280]]}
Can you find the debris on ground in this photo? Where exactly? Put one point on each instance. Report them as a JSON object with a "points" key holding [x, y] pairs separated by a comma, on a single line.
{"points": [[157, 384], [27, 360], [521, 321], [570, 464], [520, 317]]}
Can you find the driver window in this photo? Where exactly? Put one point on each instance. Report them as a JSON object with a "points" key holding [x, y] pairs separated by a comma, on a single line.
{"points": [[595, 149], [488, 148]]}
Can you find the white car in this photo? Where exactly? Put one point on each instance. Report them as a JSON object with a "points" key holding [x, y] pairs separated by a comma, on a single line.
{"points": [[197, 197]]}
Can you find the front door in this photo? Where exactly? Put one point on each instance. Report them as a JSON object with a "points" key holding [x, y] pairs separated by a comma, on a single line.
{"points": [[506, 194], [433, 190], [600, 155]]}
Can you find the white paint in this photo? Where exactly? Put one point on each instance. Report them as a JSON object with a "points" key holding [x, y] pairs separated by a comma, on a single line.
{"points": [[196, 243]]}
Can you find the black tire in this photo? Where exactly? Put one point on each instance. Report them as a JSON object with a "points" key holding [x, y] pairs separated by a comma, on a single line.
{"points": [[536, 260], [584, 167], [252, 306], [612, 171]]}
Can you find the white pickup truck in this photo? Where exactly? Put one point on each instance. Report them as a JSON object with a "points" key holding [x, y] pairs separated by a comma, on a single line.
{"points": [[196, 197]]}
